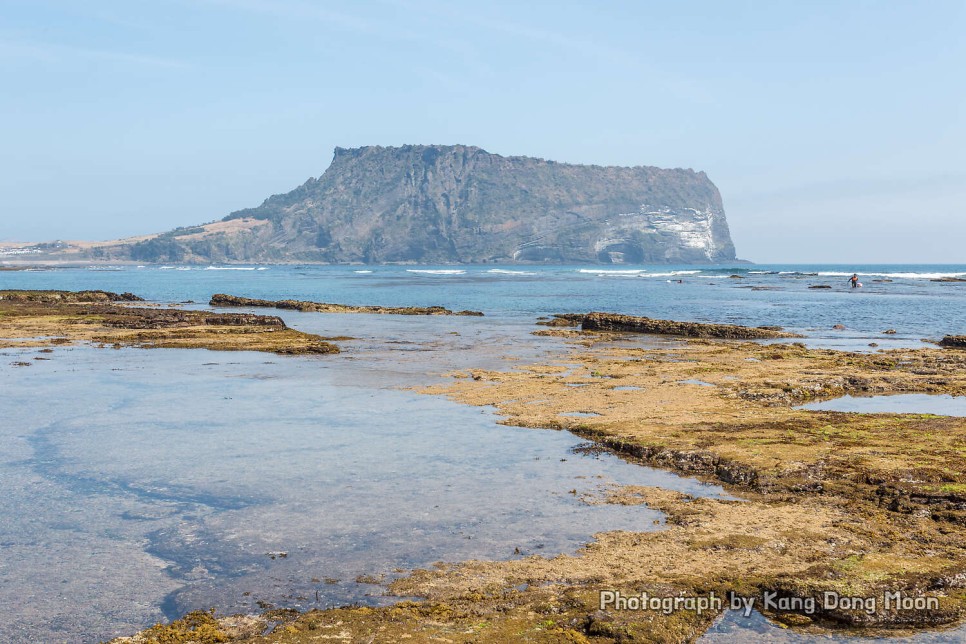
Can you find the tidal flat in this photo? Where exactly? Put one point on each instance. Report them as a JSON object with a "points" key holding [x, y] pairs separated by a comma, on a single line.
{"points": [[856, 505], [817, 501], [153, 482]]}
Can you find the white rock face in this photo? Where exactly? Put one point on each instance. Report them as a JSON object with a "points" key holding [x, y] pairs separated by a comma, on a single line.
{"points": [[686, 234]]}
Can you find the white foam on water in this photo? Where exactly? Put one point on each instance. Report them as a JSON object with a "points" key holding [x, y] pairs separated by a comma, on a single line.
{"points": [[670, 274], [230, 268], [427, 271], [362, 272], [908, 276], [604, 271], [501, 271]]}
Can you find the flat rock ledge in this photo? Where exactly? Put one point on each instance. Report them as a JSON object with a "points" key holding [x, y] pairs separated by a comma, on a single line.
{"points": [[633, 324], [954, 342], [221, 299], [44, 318], [67, 297]]}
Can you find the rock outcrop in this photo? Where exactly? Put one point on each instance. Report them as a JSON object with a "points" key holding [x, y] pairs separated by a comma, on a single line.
{"points": [[633, 324], [221, 299], [53, 318], [64, 297], [461, 204], [954, 341]]}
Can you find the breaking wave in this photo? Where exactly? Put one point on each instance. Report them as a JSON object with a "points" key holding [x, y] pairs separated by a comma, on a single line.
{"points": [[906, 276], [640, 272], [669, 274], [605, 271]]}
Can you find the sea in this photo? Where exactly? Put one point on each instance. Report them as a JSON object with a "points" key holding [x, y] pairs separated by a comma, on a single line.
{"points": [[136, 485]]}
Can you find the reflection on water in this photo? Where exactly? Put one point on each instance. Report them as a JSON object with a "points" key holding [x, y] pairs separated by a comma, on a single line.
{"points": [[735, 628], [137, 484], [940, 405], [695, 381]]}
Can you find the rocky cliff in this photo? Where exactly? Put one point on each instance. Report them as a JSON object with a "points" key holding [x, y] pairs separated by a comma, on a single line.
{"points": [[443, 204]]}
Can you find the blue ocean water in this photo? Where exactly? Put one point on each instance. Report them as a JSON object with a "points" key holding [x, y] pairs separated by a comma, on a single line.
{"points": [[900, 297]]}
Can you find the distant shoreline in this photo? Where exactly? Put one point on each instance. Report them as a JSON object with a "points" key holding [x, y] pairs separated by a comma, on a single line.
{"points": [[7, 264]]}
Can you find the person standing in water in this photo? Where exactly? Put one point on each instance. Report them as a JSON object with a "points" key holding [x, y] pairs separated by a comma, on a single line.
{"points": [[854, 280]]}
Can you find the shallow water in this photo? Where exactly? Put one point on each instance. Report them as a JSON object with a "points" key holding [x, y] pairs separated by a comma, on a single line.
{"points": [[139, 484], [695, 381], [135, 485], [734, 628], [940, 405]]}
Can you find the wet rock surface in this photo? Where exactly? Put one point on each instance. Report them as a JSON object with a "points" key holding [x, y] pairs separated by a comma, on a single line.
{"points": [[563, 320], [42, 318], [633, 324], [221, 299], [67, 296], [954, 341], [140, 318]]}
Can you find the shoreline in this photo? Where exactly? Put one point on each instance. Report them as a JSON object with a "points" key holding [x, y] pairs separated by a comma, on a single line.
{"points": [[826, 502], [850, 467], [820, 493], [51, 318]]}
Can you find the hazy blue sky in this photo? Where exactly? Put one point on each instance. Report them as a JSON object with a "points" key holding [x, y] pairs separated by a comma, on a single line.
{"points": [[834, 130]]}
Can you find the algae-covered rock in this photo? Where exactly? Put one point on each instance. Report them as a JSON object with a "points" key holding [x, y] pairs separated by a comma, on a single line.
{"points": [[42, 318], [633, 324], [222, 299], [954, 341], [67, 296]]}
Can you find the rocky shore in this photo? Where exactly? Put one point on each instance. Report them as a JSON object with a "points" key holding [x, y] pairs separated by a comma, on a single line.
{"points": [[47, 318], [856, 505], [954, 341], [221, 299], [67, 297], [615, 322]]}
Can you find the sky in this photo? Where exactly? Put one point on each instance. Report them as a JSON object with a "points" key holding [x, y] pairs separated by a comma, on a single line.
{"points": [[835, 131]]}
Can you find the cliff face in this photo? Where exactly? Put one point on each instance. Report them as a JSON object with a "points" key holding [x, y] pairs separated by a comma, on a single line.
{"points": [[442, 204]]}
